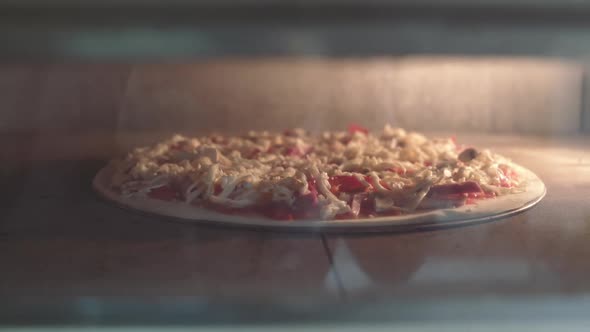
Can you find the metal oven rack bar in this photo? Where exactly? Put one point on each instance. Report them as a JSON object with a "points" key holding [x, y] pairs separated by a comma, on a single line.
{"points": [[152, 30]]}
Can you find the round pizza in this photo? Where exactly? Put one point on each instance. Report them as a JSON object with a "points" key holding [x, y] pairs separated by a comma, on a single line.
{"points": [[296, 176]]}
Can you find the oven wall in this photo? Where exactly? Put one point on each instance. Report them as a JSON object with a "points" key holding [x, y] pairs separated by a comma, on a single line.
{"points": [[61, 97], [528, 96]]}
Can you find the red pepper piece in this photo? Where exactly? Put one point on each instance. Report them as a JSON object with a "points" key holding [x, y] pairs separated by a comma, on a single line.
{"points": [[346, 184], [165, 193], [355, 128]]}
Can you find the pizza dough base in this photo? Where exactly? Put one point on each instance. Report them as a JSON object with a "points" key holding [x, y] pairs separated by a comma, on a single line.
{"points": [[483, 210]]}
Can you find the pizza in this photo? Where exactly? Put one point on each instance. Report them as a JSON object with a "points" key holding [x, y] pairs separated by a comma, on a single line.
{"points": [[297, 176]]}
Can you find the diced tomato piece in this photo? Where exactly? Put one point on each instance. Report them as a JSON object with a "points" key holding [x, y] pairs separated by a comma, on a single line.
{"points": [[290, 132], [346, 184], [508, 171], [181, 185], [509, 174], [479, 195], [455, 189], [504, 180], [176, 146], [452, 197], [182, 145], [310, 199], [278, 211], [165, 193], [312, 186], [217, 189], [505, 183], [306, 207], [355, 202], [381, 182], [367, 206], [428, 163], [453, 139], [345, 140], [293, 151], [355, 128], [218, 139], [274, 148], [471, 197], [255, 152]]}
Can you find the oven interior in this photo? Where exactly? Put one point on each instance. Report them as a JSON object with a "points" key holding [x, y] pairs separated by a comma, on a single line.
{"points": [[69, 257]]}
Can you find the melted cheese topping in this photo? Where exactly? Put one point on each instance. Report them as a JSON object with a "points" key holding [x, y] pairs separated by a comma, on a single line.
{"points": [[261, 168]]}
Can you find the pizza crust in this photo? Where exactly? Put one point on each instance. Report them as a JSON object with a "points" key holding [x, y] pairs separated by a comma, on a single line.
{"points": [[483, 210]]}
